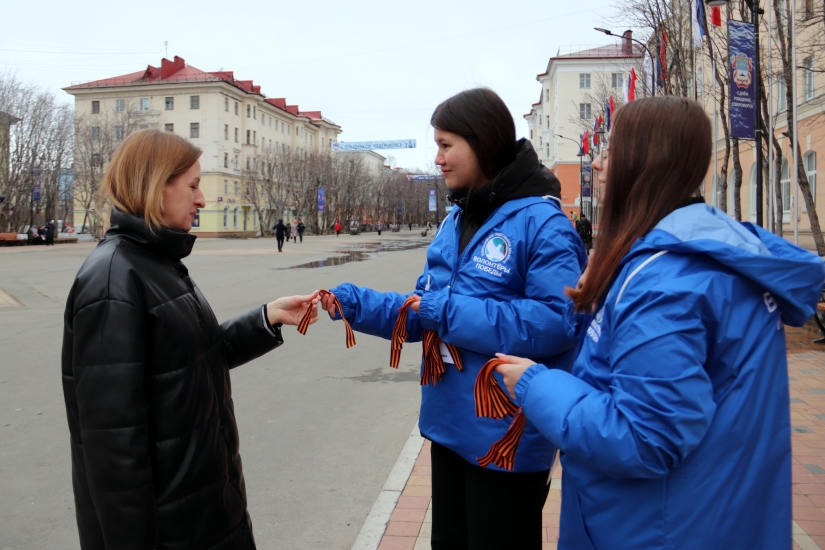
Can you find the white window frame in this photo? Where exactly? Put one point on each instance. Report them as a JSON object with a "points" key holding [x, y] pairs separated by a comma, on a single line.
{"points": [[585, 111], [235, 217], [785, 186], [194, 130], [617, 76], [169, 103], [584, 81], [144, 104], [226, 217], [810, 171], [809, 79], [120, 105]]}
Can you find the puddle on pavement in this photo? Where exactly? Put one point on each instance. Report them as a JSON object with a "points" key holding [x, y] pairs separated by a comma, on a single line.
{"points": [[362, 252]]}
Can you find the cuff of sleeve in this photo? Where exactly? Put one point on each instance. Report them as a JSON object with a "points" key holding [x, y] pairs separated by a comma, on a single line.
{"points": [[430, 308], [344, 294], [524, 382], [273, 330]]}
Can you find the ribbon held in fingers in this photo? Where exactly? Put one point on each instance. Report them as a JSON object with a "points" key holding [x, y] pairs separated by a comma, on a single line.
{"points": [[336, 305], [493, 402], [400, 332]]}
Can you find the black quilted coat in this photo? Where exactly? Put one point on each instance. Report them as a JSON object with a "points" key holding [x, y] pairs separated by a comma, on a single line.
{"points": [[154, 441]]}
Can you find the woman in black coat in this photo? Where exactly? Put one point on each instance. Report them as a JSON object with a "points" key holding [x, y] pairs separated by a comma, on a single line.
{"points": [[145, 364]]}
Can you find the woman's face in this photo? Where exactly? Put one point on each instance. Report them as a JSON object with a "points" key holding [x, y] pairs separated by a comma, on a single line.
{"points": [[458, 162], [182, 197], [600, 166]]}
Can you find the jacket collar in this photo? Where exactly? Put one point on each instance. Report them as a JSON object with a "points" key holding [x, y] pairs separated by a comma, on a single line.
{"points": [[165, 242]]}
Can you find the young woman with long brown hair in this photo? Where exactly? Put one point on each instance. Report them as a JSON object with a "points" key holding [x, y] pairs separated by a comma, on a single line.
{"points": [[674, 422], [154, 442]]}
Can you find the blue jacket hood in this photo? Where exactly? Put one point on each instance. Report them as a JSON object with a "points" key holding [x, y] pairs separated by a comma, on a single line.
{"points": [[792, 275]]}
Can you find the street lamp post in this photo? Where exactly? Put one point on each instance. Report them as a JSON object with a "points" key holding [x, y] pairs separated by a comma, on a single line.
{"points": [[642, 44]]}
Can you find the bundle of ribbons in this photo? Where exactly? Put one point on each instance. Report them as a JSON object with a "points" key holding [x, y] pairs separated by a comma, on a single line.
{"points": [[492, 402], [434, 368], [336, 305]]}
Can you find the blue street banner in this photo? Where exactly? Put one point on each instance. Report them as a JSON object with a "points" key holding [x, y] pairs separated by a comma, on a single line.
{"points": [[36, 193], [336, 146], [433, 206], [741, 52], [587, 179], [321, 199], [422, 177], [400, 209]]}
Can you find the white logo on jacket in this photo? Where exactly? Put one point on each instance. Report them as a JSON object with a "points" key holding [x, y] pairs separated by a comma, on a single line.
{"points": [[495, 252], [595, 328]]}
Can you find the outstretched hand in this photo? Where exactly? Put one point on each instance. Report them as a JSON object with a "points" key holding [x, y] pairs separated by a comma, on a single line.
{"points": [[289, 310], [513, 370]]}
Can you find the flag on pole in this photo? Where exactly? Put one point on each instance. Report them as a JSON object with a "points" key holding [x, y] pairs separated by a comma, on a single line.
{"points": [[586, 142], [663, 56], [630, 87], [596, 122], [608, 114], [716, 16], [699, 28]]}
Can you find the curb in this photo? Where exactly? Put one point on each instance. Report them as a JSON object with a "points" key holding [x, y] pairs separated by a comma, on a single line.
{"points": [[376, 523]]}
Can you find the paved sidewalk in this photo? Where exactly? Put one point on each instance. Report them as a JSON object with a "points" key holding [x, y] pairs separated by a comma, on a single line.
{"points": [[410, 524]]}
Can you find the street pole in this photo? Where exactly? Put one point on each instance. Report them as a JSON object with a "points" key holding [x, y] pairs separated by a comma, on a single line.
{"points": [[754, 4], [795, 140], [642, 44]]}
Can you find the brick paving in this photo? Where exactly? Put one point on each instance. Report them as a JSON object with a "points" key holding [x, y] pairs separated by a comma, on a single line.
{"points": [[411, 522]]}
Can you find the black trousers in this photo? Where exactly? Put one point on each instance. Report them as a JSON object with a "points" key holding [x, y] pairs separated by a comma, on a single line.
{"points": [[479, 509], [280, 243]]}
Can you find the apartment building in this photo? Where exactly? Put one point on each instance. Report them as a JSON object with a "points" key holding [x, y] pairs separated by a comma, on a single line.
{"points": [[574, 88], [231, 120]]}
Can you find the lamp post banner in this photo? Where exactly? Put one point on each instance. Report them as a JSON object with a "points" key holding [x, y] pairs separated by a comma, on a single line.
{"points": [[587, 179], [433, 206], [741, 53], [321, 198], [336, 146]]}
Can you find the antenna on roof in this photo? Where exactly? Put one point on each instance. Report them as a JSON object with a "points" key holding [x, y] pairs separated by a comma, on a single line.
{"points": [[166, 49]]}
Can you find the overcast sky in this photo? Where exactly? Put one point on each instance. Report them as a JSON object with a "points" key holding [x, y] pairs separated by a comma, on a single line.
{"points": [[378, 69]]}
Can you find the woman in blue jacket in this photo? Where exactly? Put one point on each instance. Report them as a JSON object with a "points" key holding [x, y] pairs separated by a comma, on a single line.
{"points": [[494, 279], [674, 422]]}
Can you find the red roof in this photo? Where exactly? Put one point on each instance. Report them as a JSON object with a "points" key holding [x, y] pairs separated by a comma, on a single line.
{"points": [[178, 71]]}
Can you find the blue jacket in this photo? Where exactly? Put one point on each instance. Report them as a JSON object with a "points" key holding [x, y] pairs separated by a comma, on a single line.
{"points": [[504, 294], [674, 425]]}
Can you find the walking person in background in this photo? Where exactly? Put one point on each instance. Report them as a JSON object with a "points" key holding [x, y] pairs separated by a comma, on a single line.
{"points": [[574, 219], [301, 228], [145, 365], [495, 275], [294, 231], [674, 424], [280, 234], [585, 231], [337, 228], [50, 233], [288, 232], [378, 227]]}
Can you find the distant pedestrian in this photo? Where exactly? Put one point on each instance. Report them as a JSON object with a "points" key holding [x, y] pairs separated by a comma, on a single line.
{"points": [[585, 231], [573, 218], [50, 233], [301, 228], [288, 232], [410, 226], [34, 236], [41, 232], [337, 228], [675, 413], [280, 234], [378, 227], [146, 367], [294, 231]]}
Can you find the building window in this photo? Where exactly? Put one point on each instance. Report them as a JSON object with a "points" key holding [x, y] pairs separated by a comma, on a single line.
{"points": [[584, 111], [809, 160], [196, 223], [781, 95], [254, 137], [95, 107], [236, 135], [169, 127], [120, 105], [785, 184], [225, 187], [169, 103], [248, 166], [226, 161], [118, 133], [810, 79], [144, 104], [531, 134], [548, 122], [225, 217], [226, 104], [584, 80], [143, 126], [194, 130], [235, 217], [226, 132], [262, 119], [96, 162], [95, 133], [255, 219], [235, 162], [700, 82], [195, 102], [236, 107], [616, 80], [236, 186], [547, 94], [809, 9], [248, 136], [248, 111], [255, 113], [547, 152]]}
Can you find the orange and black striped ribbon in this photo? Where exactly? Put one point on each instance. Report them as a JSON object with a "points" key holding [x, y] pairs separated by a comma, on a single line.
{"points": [[493, 402], [304, 324], [433, 363]]}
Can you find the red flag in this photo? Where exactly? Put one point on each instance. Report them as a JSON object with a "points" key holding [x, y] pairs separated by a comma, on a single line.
{"points": [[716, 16], [663, 54], [631, 86], [612, 107], [586, 142], [596, 124]]}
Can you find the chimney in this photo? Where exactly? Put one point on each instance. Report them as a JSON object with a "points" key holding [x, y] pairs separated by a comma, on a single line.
{"points": [[627, 43]]}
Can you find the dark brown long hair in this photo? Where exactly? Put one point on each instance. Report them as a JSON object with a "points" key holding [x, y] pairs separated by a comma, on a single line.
{"points": [[480, 116], [660, 151]]}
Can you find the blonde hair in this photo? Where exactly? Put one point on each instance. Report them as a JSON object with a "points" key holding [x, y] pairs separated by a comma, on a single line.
{"points": [[140, 168]]}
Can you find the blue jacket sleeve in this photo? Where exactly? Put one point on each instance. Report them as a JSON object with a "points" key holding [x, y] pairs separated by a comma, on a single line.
{"points": [[542, 324], [658, 404], [374, 313]]}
